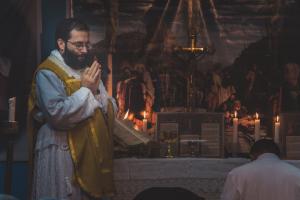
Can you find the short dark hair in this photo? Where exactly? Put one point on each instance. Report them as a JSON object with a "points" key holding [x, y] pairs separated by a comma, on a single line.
{"points": [[64, 28], [264, 146]]}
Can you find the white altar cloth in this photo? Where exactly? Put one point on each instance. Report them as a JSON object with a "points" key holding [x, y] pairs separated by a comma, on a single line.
{"points": [[202, 176]]}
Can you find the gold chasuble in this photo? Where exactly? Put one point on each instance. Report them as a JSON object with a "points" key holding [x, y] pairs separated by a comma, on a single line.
{"points": [[90, 142]]}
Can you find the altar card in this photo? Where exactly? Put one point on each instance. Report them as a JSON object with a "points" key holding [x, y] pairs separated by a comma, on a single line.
{"points": [[289, 135], [199, 134]]}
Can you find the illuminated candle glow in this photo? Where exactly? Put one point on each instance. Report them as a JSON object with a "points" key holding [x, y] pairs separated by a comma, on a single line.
{"points": [[256, 127], [144, 122], [235, 122], [126, 115], [235, 128], [276, 130]]}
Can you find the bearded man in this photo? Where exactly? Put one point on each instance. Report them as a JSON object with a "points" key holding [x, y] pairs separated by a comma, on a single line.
{"points": [[70, 121]]}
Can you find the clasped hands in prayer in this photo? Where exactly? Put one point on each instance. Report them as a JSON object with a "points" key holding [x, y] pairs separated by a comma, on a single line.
{"points": [[91, 76]]}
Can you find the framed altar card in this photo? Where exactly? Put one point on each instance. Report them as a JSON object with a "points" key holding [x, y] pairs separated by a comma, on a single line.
{"points": [[199, 134], [290, 135], [168, 138]]}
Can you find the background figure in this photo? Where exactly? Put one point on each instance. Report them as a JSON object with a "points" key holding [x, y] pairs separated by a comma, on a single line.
{"points": [[250, 80], [255, 92], [157, 89], [135, 95], [157, 93], [227, 89], [121, 88], [266, 177], [68, 104], [199, 88], [149, 88], [291, 88], [165, 88], [215, 84]]}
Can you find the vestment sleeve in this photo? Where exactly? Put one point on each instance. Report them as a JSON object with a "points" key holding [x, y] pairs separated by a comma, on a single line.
{"points": [[230, 191], [103, 98], [61, 111]]}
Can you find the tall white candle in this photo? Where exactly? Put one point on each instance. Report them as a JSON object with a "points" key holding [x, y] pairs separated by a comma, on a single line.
{"points": [[276, 130], [235, 128], [256, 127], [12, 109], [235, 135], [144, 122]]}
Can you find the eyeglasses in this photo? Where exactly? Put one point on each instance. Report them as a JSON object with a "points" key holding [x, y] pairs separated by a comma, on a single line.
{"points": [[81, 45]]}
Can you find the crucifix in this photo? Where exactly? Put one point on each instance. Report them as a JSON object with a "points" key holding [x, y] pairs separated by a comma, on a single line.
{"points": [[190, 55], [193, 53]]}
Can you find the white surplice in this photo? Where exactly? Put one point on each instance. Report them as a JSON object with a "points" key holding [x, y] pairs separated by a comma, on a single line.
{"points": [[53, 164], [266, 178]]}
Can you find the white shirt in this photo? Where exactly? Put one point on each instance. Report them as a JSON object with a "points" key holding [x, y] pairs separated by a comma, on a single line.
{"points": [[266, 178]]}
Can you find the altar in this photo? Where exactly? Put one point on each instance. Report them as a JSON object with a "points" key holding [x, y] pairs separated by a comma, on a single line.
{"points": [[202, 176]]}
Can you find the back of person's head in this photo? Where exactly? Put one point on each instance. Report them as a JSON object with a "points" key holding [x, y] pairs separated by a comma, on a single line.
{"points": [[64, 28], [264, 146]]}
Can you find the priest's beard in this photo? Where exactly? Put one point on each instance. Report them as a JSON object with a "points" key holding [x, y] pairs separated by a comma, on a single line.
{"points": [[75, 61]]}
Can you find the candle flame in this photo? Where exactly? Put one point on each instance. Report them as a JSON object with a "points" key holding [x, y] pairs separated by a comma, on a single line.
{"points": [[235, 114], [131, 117], [144, 114], [126, 115], [277, 118], [256, 116], [136, 127]]}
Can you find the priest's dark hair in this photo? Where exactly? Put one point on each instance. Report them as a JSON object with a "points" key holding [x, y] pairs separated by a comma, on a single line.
{"points": [[264, 146], [64, 28]]}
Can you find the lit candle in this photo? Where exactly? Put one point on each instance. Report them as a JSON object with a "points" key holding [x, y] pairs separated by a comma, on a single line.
{"points": [[256, 127], [235, 134], [144, 122], [130, 117], [276, 130], [126, 115], [12, 109], [235, 128]]}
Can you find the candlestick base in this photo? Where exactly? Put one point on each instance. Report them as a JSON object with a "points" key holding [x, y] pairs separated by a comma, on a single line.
{"points": [[8, 127], [235, 149]]}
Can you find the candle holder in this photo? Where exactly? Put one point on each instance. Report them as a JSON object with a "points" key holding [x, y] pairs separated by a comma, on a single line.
{"points": [[8, 127], [8, 132]]}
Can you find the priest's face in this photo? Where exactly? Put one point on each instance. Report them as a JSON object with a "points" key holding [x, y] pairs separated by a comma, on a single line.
{"points": [[76, 49]]}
